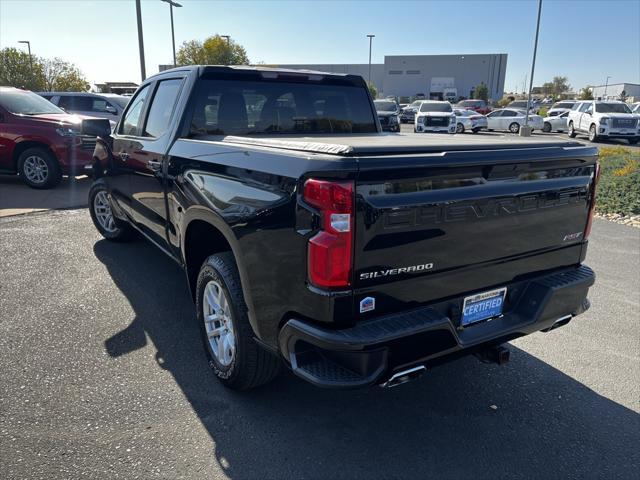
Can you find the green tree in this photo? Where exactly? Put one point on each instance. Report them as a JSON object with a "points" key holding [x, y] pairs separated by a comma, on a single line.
{"points": [[61, 76], [16, 70], [548, 89], [215, 50], [481, 92], [372, 90], [586, 93]]}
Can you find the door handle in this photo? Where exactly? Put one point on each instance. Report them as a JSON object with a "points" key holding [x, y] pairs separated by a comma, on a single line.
{"points": [[124, 156], [154, 165]]}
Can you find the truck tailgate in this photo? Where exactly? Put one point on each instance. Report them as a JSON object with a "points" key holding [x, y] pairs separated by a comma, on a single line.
{"points": [[437, 225]]}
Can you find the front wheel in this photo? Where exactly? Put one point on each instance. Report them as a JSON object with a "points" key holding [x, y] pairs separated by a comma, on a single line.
{"points": [[514, 127], [572, 131], [38, 168], [100, 209], [234, 356], [593, 135], [547, 127]]}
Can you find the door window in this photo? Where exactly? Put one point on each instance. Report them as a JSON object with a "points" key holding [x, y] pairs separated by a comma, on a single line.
{"points": [[508, 113], [72, 103], [162, 107], [584, 107], [133, 117], [100, 105]]}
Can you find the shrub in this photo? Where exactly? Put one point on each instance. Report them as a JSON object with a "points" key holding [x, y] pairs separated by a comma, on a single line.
{"points": [[619, 187]]}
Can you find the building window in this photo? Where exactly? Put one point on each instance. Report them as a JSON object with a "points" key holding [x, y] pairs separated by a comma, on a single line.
{"points": [[395, 72], [413, 72]]}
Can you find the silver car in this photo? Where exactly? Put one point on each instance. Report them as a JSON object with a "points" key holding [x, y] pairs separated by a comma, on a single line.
{"points": [[556, 123], [469, 120], [101, 105]]}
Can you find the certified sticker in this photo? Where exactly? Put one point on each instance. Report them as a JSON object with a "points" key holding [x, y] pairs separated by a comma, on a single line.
{"points": [[367, 304]]}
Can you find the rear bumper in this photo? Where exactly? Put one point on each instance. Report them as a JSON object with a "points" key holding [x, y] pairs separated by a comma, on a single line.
{"points": [[374, 350]]}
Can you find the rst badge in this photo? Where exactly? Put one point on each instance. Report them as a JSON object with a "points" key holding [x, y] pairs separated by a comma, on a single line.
{"points": [[367, 304]]}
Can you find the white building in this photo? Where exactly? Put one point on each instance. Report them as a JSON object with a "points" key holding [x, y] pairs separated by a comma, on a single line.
{"points": [[614, 90]]}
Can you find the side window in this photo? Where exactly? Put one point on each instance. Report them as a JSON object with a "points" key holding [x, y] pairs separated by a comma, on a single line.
{"points": [[576, 106], [508, 113], [99, 105], [132, 118], [162, 107], [590, 109], [584, 107]]}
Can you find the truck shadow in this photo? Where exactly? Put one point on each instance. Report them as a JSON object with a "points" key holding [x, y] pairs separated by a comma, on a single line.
{"points": [[462, 420]]}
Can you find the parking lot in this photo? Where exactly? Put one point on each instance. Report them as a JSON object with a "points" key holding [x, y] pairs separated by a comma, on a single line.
{"points": [[104, 377]]}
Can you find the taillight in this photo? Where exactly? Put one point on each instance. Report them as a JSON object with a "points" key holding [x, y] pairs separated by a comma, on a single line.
{"points": [[330, 250], [592, 205]]}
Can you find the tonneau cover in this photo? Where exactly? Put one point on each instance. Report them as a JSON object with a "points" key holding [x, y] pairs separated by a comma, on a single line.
{"points": [[398, 143]]}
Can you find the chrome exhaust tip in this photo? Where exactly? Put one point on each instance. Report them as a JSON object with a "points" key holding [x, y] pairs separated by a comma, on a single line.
{"points": [[559, 323], [404, 376]]}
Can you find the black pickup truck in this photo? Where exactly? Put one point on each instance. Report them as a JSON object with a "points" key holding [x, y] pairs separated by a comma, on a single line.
{"points": [[308, 237]]}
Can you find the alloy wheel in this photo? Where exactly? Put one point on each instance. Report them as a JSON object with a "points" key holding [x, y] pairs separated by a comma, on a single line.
{"points": [[218, 323], [35, 169], [102, 210]]}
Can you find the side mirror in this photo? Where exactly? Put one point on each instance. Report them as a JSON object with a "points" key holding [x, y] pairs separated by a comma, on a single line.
{"points": [[96, 127], [111, 109]]}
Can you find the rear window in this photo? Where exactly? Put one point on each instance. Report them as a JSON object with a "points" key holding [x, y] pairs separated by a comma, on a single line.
{"points": [[270, 106], [563, 105], [612, 108]]}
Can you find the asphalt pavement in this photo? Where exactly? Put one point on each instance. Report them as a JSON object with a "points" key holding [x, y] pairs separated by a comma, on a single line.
{"points": [[104, 376]]}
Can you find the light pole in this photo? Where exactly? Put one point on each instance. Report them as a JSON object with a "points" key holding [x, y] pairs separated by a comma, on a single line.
{"points": [[606, 84], [370, 45], [173, 36], [527, 130], [30, 57], [228, 39], [143, 72]]}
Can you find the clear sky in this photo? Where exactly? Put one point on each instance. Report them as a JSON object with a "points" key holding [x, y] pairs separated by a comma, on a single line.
{"points": [[585, 40]]}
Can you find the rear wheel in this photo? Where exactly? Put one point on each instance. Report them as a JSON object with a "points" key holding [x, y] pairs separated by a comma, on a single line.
{"points": [[459, 128], [572, 131], [38, 168], [514, 127], [100, 209], [476, 130], [593, 135], [234, 356], [547, 127]]}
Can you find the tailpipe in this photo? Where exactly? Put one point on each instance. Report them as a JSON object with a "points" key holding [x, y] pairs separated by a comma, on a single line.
{"points": [[498, 354], [404, 376], [559, 323]]}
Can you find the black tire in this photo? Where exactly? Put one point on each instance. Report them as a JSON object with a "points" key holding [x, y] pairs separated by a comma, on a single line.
{"points": [[572, 131], [459, 128], [633, 141], [476, 130], [251, 365], [50, 174], [122, 231], [514, 127], [593, 133], [547, 127]]}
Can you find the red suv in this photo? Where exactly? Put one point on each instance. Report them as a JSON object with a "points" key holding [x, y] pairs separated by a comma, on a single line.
{"points": [[479, 106], [39, 141]]}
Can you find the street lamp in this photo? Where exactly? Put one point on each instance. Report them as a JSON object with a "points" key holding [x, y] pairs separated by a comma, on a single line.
{"points": [[143, 70], [30, 57], [173, 37], [527, 130], [226, 37], [370, 44], [606, 84]]}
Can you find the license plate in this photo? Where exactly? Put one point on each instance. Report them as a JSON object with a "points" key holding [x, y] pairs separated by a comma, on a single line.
{"points": [[482, 306]]}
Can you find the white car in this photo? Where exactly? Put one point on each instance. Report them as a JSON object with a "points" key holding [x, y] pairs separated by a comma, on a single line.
{"points": [[469, 120], [602, 119], [561, 107], [511, 120], [556, 123], [435, 116]]}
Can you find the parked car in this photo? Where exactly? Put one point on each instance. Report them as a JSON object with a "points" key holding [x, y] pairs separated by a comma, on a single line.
{"points": [[408, 114], [522, 105], [99, 105], [511, 120], [435, 116], [556, 123], [604, 119], [469, 120], [310, 239], [561, 107], [38, 141], [388, 114], [479, 106]]}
